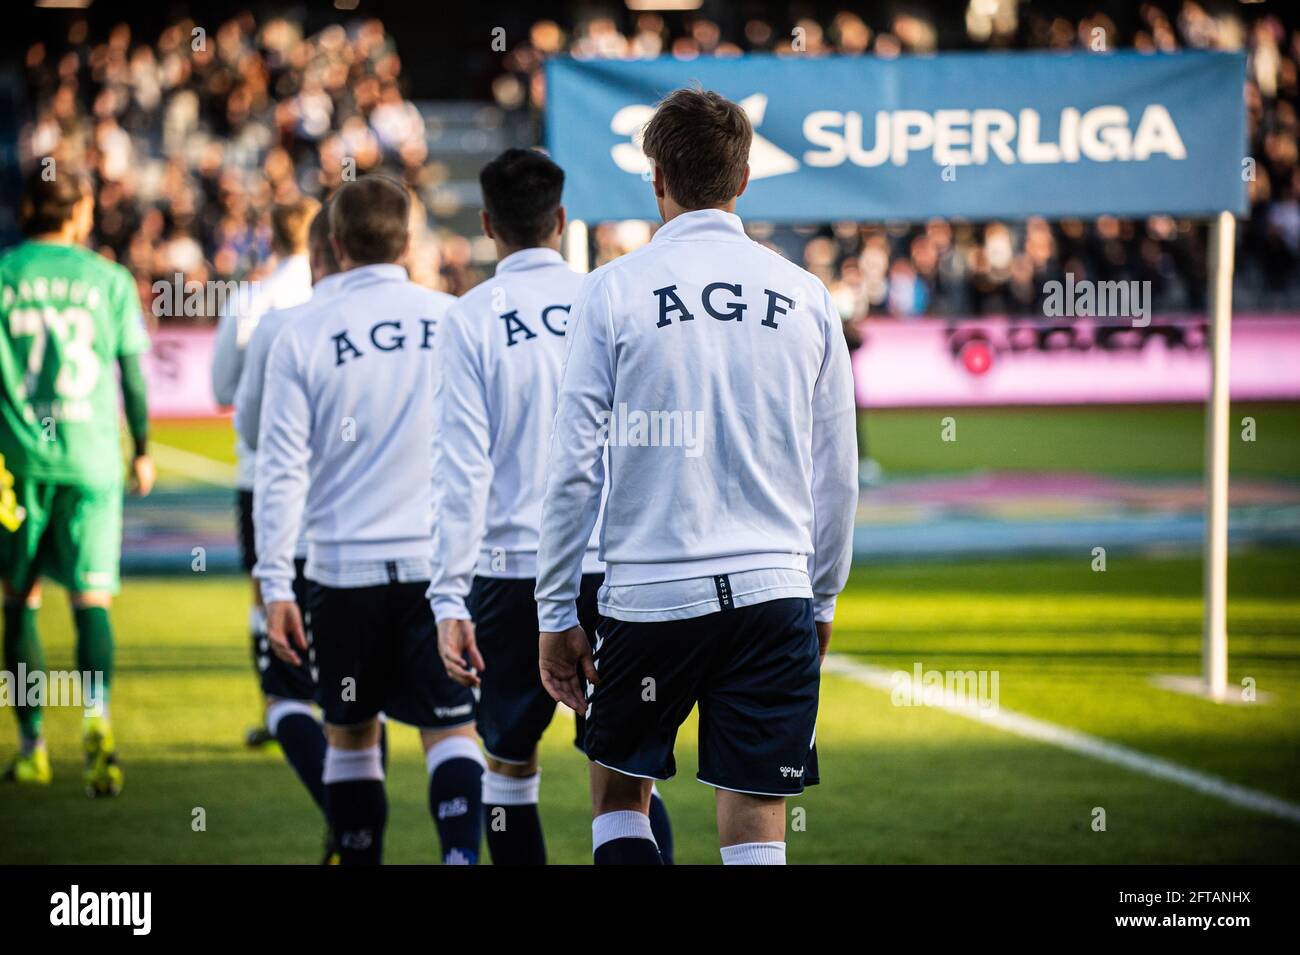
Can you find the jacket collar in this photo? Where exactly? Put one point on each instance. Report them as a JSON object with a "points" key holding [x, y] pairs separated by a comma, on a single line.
{"points": [[328, 285], [529, 259], [702, 224], [369, 274]]}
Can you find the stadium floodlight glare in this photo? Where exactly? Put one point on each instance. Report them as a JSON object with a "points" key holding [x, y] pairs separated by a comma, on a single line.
{"points": [[63, 4]]}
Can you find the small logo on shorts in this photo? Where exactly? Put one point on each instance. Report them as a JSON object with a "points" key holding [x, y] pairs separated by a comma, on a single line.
{"points": [[442, 712], [788, 771]]}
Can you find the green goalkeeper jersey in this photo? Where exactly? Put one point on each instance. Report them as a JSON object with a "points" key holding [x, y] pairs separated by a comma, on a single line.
{"points": [[67, 316]]}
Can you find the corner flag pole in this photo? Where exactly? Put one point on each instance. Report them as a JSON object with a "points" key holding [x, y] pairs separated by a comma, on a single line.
{"points": [[575, 245], [1214, 635]]}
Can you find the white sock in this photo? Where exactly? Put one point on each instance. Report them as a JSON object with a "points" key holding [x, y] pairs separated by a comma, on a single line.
{"points": [[452, 747], [282, 708], [624, 824], [348, 765], [754, 853], [501, 790]]}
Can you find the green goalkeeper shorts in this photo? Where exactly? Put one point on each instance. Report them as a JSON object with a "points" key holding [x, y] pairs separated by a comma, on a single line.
{"points": [[69, 533]]}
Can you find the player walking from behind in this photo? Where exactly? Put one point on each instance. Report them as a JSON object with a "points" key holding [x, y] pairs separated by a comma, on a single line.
{"points": [[349, 418], [288, 285], [502, 349], [67, 316], [724, 553], [289, 689]]}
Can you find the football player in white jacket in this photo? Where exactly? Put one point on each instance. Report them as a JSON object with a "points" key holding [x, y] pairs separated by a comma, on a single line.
{"points": [[349, 420], [716, 375], [289, 284], [502, 350], [288, 689]]}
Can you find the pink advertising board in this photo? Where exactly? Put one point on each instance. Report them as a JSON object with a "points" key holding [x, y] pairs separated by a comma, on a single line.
{"points": [[178, 368], [935, 362], [1004, 361]]}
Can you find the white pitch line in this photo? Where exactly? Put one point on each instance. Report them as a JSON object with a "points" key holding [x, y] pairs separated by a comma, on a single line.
{"points": [[196, 466], [1054, 735]]}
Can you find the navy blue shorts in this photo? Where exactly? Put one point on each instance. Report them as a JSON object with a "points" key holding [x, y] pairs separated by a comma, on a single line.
{"points": [[513, 707], [377, 651], [754, 671], [279, 679], [244, 526]]}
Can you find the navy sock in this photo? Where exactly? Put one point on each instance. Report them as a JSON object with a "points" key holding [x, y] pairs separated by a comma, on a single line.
{"points": [[356, 804], [623, 837], [358, 811], [514, 827], [627, 852], [456, 798], [303, 741], [662, 828]]}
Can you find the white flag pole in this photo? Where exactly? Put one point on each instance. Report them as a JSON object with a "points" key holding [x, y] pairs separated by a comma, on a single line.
{"points": [[1214, 636], [575, 245]]}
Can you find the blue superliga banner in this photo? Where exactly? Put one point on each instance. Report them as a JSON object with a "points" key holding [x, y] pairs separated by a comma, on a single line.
{"points": [[973, 135]]}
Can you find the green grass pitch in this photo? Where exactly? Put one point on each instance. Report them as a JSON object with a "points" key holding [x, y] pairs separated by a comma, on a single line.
{"points": [[1139, 440], [901, 784]]}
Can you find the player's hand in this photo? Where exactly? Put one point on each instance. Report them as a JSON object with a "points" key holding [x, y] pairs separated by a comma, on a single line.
{"points": [[143, 474], [823, 641], [564, 659], [456, 643], [284, 630]]}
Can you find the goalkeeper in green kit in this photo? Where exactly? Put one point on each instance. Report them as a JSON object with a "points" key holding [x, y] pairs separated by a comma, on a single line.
{"points": [[69, 319]]}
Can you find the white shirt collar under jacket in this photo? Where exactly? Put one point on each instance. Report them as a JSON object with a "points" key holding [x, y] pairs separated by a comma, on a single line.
{"points": [[703, 225], [366, 274], [529, 259]]}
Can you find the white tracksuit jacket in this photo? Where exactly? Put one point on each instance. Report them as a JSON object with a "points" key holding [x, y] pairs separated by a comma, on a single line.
{"points": [[718, 375], [349, 421], [502, 347], [289, 284]]}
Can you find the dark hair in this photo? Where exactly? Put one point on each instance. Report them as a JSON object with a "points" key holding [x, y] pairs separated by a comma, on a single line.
{"points": [[701, 142], [521, 192], [318, 237], [47, 204], [370, 218]]}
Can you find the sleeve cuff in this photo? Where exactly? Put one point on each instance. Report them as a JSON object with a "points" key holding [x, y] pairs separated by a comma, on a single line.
{"points": [[276, 590], [446, 607], [824, 608], [554, 616]]}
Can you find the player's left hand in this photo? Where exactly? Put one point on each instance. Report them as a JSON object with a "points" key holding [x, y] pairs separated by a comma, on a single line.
{"points": [[564, 659], [456, 643], [143, 474], [823, 640], [283, 625]]}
